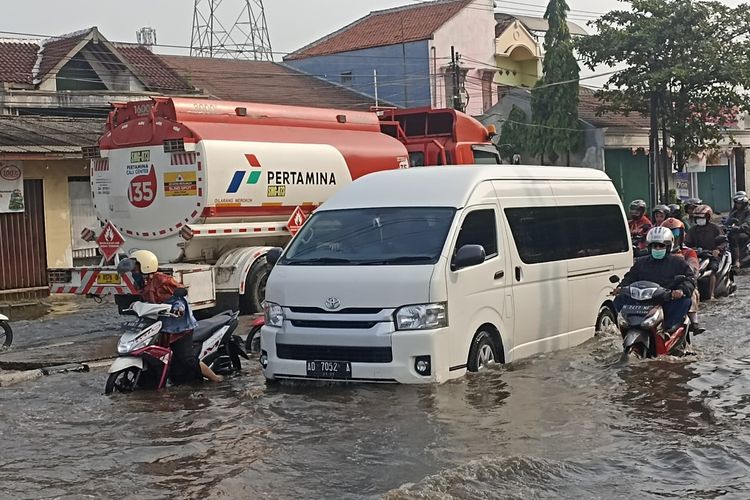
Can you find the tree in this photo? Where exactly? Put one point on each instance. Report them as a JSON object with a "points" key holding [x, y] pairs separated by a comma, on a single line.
{"points": [[687, 64], [554, 98], [514, 134]]}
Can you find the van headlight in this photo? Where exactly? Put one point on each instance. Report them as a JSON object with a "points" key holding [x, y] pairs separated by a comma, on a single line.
{"points": [[274, 314], [421, 317]]}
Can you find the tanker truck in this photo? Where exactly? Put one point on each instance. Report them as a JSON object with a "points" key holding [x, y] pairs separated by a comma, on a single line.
{"points": [[210, 186]]}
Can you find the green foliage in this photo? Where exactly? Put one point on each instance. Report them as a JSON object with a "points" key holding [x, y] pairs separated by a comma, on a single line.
{"points": [[554, 104], [694, 55], [514, 135]]}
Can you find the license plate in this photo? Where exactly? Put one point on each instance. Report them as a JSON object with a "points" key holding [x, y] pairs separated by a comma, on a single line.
{"points": [[329, 369], [636, 309], [108, 279]]}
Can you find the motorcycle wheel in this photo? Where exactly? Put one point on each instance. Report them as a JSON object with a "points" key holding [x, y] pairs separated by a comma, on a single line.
{"points": [[252, 343], [122, 381], [635, 351], [6, 334]]}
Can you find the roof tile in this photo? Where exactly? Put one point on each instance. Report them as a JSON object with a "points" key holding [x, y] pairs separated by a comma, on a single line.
{"points": [[155, 72], [17, 61], [263, 82], [385, 27]]}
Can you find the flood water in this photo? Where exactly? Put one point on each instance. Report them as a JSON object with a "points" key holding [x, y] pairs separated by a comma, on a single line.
{"points": [[571, 424]]}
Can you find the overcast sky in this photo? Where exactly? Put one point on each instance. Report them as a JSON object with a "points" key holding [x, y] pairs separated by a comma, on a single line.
{"points": [[291, 23]]}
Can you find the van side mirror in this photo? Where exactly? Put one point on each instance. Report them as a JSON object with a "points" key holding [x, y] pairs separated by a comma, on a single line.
{"points": [[614, 279], [468, 255], [273, 255], [180, 292]]}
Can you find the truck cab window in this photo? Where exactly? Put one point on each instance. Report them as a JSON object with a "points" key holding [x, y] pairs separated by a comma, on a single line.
{"points": [[479, 228]]}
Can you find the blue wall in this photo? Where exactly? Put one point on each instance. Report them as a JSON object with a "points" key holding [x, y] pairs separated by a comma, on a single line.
{"points": [[403, 71]]}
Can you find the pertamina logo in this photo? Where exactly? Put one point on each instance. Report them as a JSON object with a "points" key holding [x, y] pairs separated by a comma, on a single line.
{"points": [[239, 175], [279, 178]]}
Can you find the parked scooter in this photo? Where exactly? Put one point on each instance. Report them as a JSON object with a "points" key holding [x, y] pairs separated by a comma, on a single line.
{"points": [[725, 285], [252, 343], [143, 363], [641, 324], [6, 333]]}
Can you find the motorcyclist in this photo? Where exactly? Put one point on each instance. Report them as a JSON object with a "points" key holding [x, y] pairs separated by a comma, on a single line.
{"points": [[639, 224], [665, 269], [159, 288], [690, 206], [703, 236], [659, 214], [691, 257], [675, 211], [739, 222]]}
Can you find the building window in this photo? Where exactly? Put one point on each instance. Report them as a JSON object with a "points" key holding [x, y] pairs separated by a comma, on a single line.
{"points": [[347, 78], [487, 78]]}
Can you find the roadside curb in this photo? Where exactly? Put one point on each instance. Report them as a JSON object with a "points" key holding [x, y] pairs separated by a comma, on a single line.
{"points": [[16, 377], [12, 378]]}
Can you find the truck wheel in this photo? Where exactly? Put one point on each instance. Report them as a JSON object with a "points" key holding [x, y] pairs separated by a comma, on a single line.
{"points": [[255, 287]]}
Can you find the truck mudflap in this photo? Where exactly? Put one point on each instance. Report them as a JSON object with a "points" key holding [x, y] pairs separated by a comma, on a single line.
{"points": [[90, 281]]}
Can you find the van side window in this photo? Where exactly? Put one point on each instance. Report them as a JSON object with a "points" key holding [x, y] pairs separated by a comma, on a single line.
{"points": [[547, 234], [479, 228]]}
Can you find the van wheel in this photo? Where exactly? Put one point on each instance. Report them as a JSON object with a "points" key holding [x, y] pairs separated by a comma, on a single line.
{"points": [[483, 352], [255, 288], [606, 323]]}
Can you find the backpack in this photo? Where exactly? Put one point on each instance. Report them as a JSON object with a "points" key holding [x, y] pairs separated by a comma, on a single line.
{"points": [[160, 288]]}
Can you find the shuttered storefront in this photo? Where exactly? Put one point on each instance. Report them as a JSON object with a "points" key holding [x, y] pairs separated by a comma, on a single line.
{"points": [[23, 257]]}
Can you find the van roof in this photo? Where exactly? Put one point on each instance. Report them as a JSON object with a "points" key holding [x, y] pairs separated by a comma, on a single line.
{"points": [[448, 186]]}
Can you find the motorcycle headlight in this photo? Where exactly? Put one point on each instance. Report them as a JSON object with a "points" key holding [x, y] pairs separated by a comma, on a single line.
{"points": [[274, 314], [622, 321], [421, 317], [140, 341], [653, 319]]}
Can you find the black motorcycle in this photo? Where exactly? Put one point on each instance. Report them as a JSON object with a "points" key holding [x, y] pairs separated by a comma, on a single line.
{"points": [[6, 333]]}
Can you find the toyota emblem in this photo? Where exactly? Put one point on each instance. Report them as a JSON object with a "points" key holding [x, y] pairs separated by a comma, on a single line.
{"points": [[332, 303]]}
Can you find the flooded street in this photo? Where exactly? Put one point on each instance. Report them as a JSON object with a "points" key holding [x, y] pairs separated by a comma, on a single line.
{"points": [[571, 424]]}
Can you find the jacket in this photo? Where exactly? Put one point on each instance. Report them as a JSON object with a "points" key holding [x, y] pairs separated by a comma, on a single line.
{"points": [[662, 272], [742, 217], [703, 236], [639, 228]]}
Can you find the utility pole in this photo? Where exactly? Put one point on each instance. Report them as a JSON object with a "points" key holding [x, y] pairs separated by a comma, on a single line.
{"points": [[375, 83], [653, 156], [455, 80]]}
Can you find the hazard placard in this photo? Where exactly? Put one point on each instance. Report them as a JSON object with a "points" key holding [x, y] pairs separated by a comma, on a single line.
{"points": [[296, 220], [110, 240]]}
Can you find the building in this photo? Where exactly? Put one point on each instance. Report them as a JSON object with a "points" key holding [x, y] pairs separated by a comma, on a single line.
{"points": [[403, 55]]}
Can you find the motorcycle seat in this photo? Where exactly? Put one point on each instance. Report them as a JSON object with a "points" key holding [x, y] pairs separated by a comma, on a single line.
{"points": [[208, 327]]}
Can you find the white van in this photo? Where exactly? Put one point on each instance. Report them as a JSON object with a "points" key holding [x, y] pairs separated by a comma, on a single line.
{"points": [[419, 275]]}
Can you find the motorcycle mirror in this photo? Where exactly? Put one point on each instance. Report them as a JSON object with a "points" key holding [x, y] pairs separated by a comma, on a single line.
{"points": [[180, 292], [614, 279]]}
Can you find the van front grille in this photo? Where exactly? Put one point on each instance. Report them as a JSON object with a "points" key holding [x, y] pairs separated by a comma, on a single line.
{"points": [[352, 325], [334, 353]]}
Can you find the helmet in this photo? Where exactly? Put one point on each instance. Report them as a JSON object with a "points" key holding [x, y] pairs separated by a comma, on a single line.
{"points": [[702, 211], [638, 206], [741, 198], [660, 234], [148, 261], [663, 209], [692, 203], [675, 211], [678, 231]]}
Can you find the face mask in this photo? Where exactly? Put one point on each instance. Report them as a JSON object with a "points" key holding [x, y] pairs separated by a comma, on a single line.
{"points": [[701, 222], [658, 253]]}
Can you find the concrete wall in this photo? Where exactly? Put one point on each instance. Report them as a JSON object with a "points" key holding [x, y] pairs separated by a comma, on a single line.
{"points": [[403, 72], [472, 33], [57, 218]]}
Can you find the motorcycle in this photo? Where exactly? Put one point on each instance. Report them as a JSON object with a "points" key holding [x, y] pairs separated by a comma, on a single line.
{"points": [[641, 323], [252, 343], [725, 285], [6, 332], [143, 363], [730, 226]]}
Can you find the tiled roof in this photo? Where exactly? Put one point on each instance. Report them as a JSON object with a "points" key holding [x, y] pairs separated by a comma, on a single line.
{"points": [[409, 23], [264, 82], [153, 70], [588, 104], [55, 49], [33, 134], [17, 60]]}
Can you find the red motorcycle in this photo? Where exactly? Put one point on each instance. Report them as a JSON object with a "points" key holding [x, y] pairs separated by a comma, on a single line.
{"points": [[641, 323]]}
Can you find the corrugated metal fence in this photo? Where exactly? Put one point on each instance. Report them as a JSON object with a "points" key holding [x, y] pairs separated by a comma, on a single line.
{"points": [[23, 254]]}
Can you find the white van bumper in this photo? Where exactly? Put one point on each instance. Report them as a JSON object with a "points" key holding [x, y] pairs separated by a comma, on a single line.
{"points": [[407, 347]]}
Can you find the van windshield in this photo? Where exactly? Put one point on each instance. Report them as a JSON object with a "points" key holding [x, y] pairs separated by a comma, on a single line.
{"points": [[371, 236]]}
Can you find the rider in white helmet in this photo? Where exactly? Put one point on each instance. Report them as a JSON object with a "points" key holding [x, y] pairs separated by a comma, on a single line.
{"points": [[663, 267]]}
